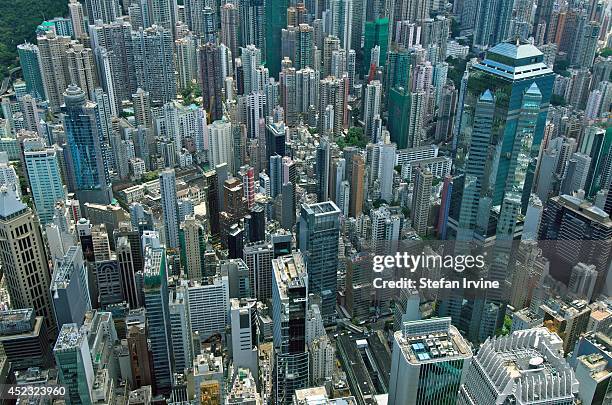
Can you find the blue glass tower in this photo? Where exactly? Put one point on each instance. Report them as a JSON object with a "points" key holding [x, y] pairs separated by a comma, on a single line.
{"points": [[88, 173]]}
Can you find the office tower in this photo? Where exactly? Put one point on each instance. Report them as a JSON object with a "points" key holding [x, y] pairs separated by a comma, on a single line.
{"points": [[276, 175], [415, 357], [138, 347], [420, 200], [596, 143], [256, 224], [371, 108], [29, 60], [74, 364], [154, 62], [243, 318], [24, 340], [253, 23], [323, 156], [88, 168], [209, 307], [500, 371], [193, 245], [52, 61], [212, 201], [129, 258], [569, 220], [211, 80], [582, 281], [167, 190], [585, 44], [289, 306], [229, 27], [45, 181], [400, 116], [376, 33], [258, 258], [186, 61], [594, 375], [181, 329], [105, 10], [108, 281], [275, 21], [68, 288], [357, 174], [275, 139], [576, 173], [317, 237], [158, 317], [24, 260], [524, 131]]}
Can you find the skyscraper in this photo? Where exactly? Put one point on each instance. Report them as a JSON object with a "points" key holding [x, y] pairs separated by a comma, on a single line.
{"points": [[87, 149], [24, 261], [421, 200], [253, 23], [74, 364], [289, 306], [376, 34], [105, 10], [45, 181], [318, 231], [229, 27], [158, 316], [69, 292], [167, 190], [508, 151], [371, 108], [518, 368], [154, 62], [323, 164], [52, 61], [342, 21], [29, 59], [275, 20], [425, 371], [211, 80]]}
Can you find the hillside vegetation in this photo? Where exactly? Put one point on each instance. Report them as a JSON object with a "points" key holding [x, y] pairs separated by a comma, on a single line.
{"points": [[18, 21]]}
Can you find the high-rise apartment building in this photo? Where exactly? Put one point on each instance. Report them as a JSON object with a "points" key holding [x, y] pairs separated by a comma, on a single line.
{"points": [[167, 191]]}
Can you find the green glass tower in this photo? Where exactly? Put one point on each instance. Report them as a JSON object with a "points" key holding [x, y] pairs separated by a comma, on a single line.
{"points": [[399, 116], [375, 33], [507, 75], [276, 20], [30, 67]]}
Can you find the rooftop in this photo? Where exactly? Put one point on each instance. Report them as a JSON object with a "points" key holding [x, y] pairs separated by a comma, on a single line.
{"points": [[70, 337], [432, 340]]}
